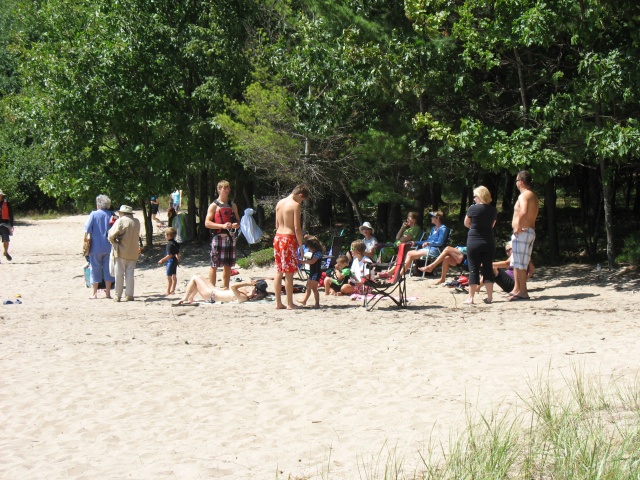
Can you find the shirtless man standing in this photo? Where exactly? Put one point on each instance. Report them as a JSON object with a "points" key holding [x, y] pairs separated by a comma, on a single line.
{"points": [[286, 243], [525, 212]]}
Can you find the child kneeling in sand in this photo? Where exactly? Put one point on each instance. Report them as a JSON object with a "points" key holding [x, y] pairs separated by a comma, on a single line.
{"points": [[199, 285], [342, 273]]}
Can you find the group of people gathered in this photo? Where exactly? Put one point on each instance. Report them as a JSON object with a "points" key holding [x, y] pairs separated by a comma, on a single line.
{"points": [[290, 246], [510, 274]]}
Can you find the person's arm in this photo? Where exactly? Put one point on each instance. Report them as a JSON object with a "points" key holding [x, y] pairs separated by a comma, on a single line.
{"points": [[297, 211], [502, 263], [467, 221], [164, 259], [523, 210], [439, 238], [531, 269], [237, 215], [114, 232], [241, 295]]}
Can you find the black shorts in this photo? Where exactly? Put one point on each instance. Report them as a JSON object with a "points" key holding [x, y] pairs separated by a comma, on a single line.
{"points": [[335, 288], [4, 233]]}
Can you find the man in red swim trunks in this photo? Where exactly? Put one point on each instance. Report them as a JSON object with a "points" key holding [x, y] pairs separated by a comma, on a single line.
{"points": [[287, 241]]}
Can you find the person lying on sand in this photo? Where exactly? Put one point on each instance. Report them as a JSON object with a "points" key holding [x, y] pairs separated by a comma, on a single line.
{"points": [[199, 285]]}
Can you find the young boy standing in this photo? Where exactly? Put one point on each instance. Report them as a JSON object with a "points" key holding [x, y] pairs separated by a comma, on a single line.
{"points": [[172, 258]]}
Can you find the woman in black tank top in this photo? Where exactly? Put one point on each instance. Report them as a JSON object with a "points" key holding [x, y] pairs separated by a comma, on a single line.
{"points": [[481, 245]]}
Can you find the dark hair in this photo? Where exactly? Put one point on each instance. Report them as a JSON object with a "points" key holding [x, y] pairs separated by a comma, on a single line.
{"points": [[261, 286], [314, 243], [525, 177]]}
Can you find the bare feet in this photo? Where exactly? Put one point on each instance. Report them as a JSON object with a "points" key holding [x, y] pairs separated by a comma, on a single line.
{"points": [[426, 268], [439, 282], [469, 301], [288, 307], [93, 297], [487, 301]]}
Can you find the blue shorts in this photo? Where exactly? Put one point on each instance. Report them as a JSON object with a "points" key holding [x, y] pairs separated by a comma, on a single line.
{"points": [[172, 267]]}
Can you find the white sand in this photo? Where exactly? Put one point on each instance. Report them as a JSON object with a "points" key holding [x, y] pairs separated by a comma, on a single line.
{"points": [[94, 389]]}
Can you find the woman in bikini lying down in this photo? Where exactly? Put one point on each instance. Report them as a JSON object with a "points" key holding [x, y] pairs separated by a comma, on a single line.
{"points": [[199, 285]]}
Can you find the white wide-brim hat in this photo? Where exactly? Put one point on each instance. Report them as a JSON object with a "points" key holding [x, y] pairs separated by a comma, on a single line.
{"points": [[125, 209], [366, 225]]}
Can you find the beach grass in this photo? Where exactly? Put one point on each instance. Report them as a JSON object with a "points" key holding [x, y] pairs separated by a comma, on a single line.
{"points": [[579, 428]]}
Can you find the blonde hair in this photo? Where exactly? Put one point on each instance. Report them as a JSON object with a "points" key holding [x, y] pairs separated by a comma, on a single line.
{"points": [[171, 232], [358, 246], [222, 184], [483, 194]]}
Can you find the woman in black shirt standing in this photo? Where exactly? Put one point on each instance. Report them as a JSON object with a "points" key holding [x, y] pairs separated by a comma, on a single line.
{"points": [[481, 245]]}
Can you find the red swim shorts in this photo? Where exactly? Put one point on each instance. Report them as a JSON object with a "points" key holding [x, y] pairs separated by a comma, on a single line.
{"points": [[285, 252]]}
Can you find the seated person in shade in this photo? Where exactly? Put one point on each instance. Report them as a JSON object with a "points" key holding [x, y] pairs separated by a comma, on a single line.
{"points": [[409, 231], [199, 285], [503, 271], [369, 240], [436, 239], [450, 257]]}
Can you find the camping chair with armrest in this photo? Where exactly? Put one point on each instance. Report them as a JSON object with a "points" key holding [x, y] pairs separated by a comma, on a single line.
{"points": [[377, 289], [329, 260], [427, 258], [385, 266]]}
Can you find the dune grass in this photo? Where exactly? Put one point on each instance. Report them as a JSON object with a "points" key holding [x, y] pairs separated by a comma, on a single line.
{"points": [[580, 428]]}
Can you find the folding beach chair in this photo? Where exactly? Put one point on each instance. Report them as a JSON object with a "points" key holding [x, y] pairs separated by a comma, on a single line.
{"points": [[397, 284], [329, 260], [429, 257]]}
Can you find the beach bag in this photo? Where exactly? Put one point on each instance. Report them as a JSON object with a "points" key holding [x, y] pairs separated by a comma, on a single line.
{"points": [[297, 288], [249, 227], [86, 246]]}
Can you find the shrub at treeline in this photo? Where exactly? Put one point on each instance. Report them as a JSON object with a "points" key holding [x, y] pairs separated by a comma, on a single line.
{"points": [[138, 98]]}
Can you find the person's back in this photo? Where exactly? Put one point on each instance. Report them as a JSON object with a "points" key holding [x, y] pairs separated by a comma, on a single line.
{"points": [[286, 210], [126, 231]]}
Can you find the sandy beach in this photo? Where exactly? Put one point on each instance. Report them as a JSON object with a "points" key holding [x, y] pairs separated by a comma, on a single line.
{"points": [[97, 389]]}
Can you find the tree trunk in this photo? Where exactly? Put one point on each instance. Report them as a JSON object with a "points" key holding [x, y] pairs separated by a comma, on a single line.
{"points": [[507, 197], [550, 200], [191, 206], [148, 223], [352, 201], [607, 193], [203, 200], [382, 218], [463, 204]]}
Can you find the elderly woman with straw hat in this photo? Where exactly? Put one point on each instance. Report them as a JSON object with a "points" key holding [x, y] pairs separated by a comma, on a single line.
{"points": [[124, 237], [369, 240]]}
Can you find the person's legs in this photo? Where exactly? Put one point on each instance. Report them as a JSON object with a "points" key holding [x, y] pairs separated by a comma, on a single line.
{"points": [[174, 282], [327, 286], [129, 270], [411, 256], [316, 294], [307, 292], [520, 284], [277, 285], [108, 279], [168, 286], [448, 261], [119, 278], [215, 259], [489, 287], [288, 287], [226, 276]]}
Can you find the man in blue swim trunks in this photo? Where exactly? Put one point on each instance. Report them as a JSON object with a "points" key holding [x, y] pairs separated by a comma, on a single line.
{"points": [[525, 213]]}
